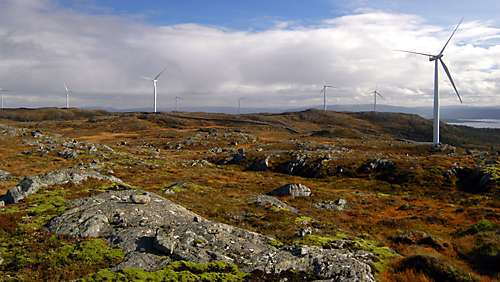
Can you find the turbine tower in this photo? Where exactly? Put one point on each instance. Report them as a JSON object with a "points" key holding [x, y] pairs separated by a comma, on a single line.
{"points": [[1, 98], [324, 94], [239, 105], [155, 82], [375, 94], [435, 59], [68, 92], [177, 100]]}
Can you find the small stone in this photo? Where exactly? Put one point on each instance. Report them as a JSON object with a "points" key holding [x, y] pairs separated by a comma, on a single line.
{"points": [[68, 154], [404, 207], [36, 133], [140, 199], [303, 232]]}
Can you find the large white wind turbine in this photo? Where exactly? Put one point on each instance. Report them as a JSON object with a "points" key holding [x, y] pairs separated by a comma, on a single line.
{"points": [[435, 59], [324, 94], [375, 94], [68, 92], [155, 82], [1, 97]]}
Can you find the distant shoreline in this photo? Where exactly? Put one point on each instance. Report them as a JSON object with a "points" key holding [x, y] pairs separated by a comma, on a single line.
{"points": [[477, 123]]}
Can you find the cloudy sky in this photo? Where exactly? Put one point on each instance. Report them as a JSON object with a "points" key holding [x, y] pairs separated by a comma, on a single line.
{"points": [[273, 53]]}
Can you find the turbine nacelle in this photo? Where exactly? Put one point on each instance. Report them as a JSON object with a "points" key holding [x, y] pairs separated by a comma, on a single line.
{"points": [[437, 57]]}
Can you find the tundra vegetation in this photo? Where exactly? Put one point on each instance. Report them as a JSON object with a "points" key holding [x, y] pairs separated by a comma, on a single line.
{"points": [[369, 183]]}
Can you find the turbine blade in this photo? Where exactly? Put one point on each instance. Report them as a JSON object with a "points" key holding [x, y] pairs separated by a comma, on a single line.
{"points": [[146, 78], [453, 33], [451, 79], [66, 87], [380, 95], [158, 75], [412, 52]]}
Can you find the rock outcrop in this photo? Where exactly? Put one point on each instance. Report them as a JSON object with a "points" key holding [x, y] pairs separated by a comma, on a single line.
{"points": [[271, 202], [338, 205], [31, 184], [159, 231], [293, 190]]}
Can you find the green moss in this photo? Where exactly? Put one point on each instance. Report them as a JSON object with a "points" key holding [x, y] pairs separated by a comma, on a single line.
{"points": [[186, 186], [480, 226], [96, 250], [493, 171], [175, 271], [53, 255], [384, 255], [276, 243], [303, 220], [41, 208]]}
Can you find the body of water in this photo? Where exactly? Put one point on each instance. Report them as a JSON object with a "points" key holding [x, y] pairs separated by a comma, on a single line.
{"points": [[478, 123]]}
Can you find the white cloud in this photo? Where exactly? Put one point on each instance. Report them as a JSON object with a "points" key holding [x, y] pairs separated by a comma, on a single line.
{"points": [[103, 56]]}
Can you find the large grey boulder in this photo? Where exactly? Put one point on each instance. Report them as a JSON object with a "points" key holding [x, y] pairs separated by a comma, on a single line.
{"points": [[292, 189], [160, 231], [31, 184]]}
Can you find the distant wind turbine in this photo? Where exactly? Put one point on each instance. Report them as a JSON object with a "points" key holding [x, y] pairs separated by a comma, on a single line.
{"points": [[239, 105], [435, 59], [324, 94], [375, 94], [1, 97], [68, 92], [177, 99], [155, 82]]}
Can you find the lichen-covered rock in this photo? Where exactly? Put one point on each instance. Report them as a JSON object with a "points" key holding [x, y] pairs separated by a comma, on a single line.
{"points": [[4, 175], [478, 179], [271, 203], [377, 165], [68, 154], [338, 205], [260, 164], [292, 189], [32, 184], [161, 231]]}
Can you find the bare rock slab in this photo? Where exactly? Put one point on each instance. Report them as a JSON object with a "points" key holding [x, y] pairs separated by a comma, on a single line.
{"points": [[159, 231], [32, 184]]}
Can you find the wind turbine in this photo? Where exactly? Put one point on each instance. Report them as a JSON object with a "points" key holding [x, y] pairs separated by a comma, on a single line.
{"points": [[177, 99], [155, 82], [239, 105], [324, 94], [375, 94], [435, 59], [68, 92], [1, 97]]}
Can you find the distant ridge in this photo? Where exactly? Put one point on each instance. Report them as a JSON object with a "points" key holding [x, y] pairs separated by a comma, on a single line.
{"points": [[447, 112]]}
